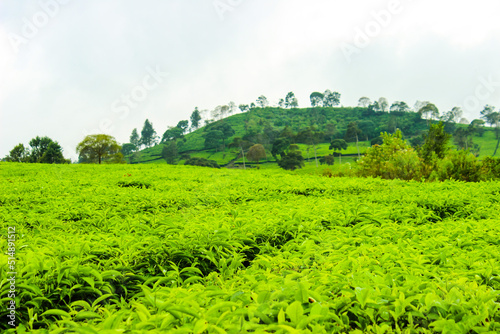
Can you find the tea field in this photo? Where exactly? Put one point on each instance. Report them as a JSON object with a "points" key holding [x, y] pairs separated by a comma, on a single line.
{"points": [[181, 249]]}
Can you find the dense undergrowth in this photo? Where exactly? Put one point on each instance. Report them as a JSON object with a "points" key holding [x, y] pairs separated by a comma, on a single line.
{"points": [[156, 248]]}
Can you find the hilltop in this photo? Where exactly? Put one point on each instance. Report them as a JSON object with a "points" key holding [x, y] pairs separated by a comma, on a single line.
{"points": [[264, 125]]}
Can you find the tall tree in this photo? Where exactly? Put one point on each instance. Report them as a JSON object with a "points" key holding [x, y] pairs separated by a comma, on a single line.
{"points": [[492, 117], [170, 152], [244, 107], [352, 134], [172, 133], [96, 148], [53, 154], [331, 99], [18, 154], [38, 147], [291, 101], [435, 143], [195, 119], [400, 107], [316, 99], [429, 111], [135, 139], [183, 125], [148, 134], [383, 104], [364, 102], [262, 101], [338, 145]]}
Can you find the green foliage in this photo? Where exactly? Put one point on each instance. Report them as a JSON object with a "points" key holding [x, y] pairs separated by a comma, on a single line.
{"points": [[459, 165], [327, 159], [195, 119], [135, 139], [214, 251], [42, 150], [172, 133], [436, 144], [99, 148], [170, 152], [53, 154], [291, 160], [395, 158], [194, 161], [491, 168], [256, 152], [128, 149], [338, 145], [148, 134], [18, 154]]}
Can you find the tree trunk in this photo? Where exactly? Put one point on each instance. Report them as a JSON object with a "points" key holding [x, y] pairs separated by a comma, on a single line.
{"points": [[340, 158], [357, 147], [243, 153], [496, 148], [315, 156]]}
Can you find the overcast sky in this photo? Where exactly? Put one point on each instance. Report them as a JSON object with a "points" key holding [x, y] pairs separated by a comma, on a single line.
{"points": [[69, 68]]}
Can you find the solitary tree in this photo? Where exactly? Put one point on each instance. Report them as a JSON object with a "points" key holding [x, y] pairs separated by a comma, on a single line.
{"points": [[292, 160], [364, 102], [291, 101], [244, 107], [96, 148], [316, 99], [148, 134], [331, 99], [262, 101], [429, 111], [195, 119], [256, 153], [338, 145], [383, 104], [135, 139], [170, 152]]}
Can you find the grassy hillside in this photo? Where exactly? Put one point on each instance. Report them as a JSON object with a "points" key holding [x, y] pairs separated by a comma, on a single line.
{"points": [[259, 120]]}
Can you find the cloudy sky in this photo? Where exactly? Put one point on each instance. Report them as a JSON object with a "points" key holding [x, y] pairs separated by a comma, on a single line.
{"points": [[69, 68]]}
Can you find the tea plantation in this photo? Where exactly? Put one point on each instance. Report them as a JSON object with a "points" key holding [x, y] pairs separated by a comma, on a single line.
{"points": [[180, 249]]}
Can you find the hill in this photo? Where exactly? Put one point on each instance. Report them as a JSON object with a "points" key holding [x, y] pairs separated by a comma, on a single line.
{"points": [[264, 125]]}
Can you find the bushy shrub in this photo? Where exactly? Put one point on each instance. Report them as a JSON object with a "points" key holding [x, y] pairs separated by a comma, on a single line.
{"points": [[202, 162], [491, 168], [459, 165], [327, 159], [395, 158]]}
